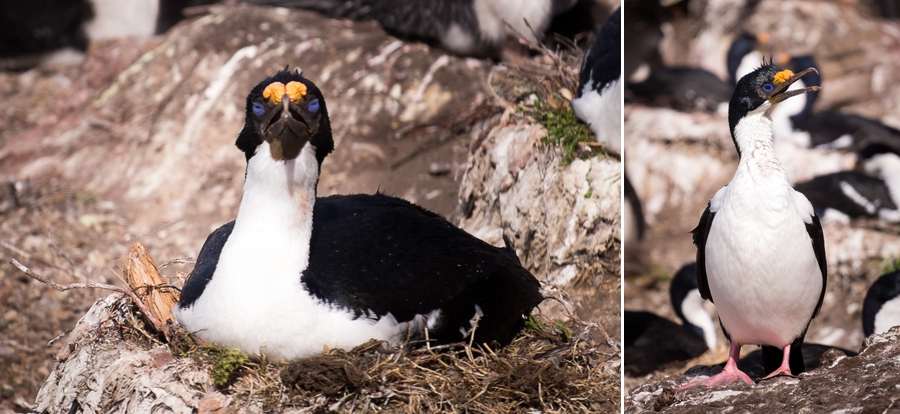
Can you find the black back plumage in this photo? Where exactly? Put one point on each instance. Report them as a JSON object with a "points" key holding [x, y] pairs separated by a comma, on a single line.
{"points": [[374, 254], [684, 88], [886, 288], [602, 63], [414, 262], [411, 19], [825, 191], [34, 27]]}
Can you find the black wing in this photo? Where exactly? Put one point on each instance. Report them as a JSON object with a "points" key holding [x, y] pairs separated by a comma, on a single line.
{"points": [[701, 233], [379, 254], [205, 266], [682, 88], [818, 242]]}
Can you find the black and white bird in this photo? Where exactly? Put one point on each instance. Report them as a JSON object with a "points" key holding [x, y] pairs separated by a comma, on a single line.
{"points": [[33, 32], [881, 307], [599, 100], [465, 27], [295, 273], [760, 246], [873, 192], [653, 342], [744, 55]]}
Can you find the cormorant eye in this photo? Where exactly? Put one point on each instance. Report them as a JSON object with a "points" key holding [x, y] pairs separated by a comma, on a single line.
{"points": [[767, 87], [258, 109], [313, 105]]}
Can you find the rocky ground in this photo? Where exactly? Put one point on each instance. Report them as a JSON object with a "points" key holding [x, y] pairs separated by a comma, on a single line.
{"points": [[677, 160], [136, 144]]}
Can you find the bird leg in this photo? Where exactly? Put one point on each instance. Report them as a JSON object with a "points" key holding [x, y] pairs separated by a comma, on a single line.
{"points": [[728, 375], [785, 367]]}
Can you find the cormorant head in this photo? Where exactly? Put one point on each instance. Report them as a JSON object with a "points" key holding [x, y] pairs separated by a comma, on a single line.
{"points": [[288, 112], [762, 89]]}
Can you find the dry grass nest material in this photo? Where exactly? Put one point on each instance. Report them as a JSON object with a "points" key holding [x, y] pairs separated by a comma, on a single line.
{"points": [[549, 367], [541, 90]]}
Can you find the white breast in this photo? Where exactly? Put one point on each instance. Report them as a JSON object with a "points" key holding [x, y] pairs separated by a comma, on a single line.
{"points": [[762, 270], [255, 301]]}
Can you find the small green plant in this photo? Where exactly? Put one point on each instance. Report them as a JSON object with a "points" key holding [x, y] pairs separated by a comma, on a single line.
{"points": [[225, 361], [564, 130], [533, 323], [890, 265], [565, 331]]}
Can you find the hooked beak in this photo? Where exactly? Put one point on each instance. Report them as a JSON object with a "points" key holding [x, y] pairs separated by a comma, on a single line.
{"points": [[285, 130], [781, 91]]}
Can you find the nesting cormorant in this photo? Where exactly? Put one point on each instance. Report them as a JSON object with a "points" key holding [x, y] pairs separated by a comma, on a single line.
{"points": [[295, 273]]}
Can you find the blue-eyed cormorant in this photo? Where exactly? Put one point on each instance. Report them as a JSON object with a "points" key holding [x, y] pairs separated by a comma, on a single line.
{"points": [[797, 122], [760, 246], [295, 273]]}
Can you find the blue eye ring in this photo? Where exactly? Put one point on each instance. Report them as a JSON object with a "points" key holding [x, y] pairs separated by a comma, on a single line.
{"points": [[767, 87], [313, 106], [258, 109]]}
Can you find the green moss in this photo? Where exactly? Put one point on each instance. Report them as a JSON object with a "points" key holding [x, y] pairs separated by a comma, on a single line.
{"points": [[565, 331], [890, 266], [564, 130], [225, 361], [533, 323]]}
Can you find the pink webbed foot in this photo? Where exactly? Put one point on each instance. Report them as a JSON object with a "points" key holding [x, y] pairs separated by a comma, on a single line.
{"points": [[729, 374], [723, 378], [785, 368]]}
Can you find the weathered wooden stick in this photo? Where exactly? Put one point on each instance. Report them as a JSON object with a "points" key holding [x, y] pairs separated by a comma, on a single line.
{"points": [[144, 279], [63, 288]]}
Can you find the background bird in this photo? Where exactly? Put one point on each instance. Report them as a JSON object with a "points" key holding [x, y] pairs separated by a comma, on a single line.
{"points": [[653, 342], [599, 100]]}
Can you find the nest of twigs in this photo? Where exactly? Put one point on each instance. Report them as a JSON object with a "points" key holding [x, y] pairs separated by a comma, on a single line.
{"points": [[549, 367]]}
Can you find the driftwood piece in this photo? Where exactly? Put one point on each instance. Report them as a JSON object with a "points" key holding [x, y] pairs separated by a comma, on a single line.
{"points": [[142, 276]]}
